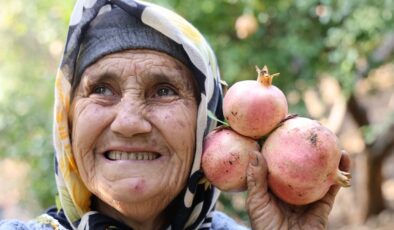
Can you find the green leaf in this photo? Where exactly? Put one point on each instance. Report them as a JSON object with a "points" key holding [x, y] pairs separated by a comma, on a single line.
{"points": [[58, 204], [213, 117]]}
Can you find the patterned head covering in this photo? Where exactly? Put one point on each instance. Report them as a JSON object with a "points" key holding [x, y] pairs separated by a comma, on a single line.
{"points": [[196, 202]]}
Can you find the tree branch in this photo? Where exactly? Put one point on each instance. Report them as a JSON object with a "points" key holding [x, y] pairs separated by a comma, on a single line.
{"points": [[380, 54], [383, 145], [358, 112]]}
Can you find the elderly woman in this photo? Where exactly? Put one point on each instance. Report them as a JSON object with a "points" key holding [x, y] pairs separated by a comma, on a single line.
{"points": [[132, 96]]}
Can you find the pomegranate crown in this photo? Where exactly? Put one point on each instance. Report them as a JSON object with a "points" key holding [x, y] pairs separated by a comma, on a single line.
{"points": [[264, 77]]}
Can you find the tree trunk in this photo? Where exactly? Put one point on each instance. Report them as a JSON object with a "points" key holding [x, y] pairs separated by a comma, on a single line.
{"points": [[375, 199], [375, 152]]}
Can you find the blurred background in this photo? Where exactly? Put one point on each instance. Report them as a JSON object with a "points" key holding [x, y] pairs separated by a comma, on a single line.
{"points": [[336, 60]]}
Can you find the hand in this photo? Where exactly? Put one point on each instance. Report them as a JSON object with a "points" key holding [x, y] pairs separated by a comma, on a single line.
{"points": [[268, 212]]}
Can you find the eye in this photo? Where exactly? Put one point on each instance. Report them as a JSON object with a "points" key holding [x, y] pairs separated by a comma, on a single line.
{"points": [[102, 90], [164, 91]]}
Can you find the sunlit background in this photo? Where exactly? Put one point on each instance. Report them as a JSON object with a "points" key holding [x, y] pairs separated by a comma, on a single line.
{"points": [[336, 60]]}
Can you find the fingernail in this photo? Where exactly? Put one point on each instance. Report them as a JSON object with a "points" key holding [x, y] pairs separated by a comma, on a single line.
{"points": [[255, 160]]}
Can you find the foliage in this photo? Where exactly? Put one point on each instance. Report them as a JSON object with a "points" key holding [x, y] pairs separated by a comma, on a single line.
{"points": [[301, 39], [30, 33]]}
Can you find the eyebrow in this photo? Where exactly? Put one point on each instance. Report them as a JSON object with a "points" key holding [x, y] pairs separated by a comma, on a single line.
{"points": [[162, 77], [171, 75], [101, 76]]}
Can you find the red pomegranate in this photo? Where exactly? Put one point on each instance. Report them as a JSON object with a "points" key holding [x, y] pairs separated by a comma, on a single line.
{"points": [[254, 108], [303, 158], [225, 158]]}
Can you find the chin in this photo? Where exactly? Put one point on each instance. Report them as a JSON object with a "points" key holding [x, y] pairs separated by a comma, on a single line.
{"points": [[136, 190], [137, 207]]}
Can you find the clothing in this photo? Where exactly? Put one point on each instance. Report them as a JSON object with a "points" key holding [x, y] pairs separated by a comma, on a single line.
{"points": [[117, 30], [196, 202], [220, 221]]}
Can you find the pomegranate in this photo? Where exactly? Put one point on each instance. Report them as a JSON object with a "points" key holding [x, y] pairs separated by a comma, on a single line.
{"points": [[254, 108], [303, 158], [225, 158]]}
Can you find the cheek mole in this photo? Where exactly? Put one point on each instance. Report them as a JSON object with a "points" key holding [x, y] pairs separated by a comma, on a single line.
{"points": [[139, 186]]}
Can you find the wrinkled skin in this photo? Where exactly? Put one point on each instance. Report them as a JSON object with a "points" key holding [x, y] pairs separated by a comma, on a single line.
{"points": [[135, 101], [268, 212]]}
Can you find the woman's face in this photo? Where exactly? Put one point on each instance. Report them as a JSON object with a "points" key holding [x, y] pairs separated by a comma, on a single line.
{"points": [[133, 122]]}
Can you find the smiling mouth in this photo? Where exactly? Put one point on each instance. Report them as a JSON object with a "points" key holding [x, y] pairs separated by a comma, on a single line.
{"points": [[119, 155]]}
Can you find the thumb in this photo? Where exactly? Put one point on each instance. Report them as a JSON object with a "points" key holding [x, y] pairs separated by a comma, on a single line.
{"points": [[257, 175], [258, 201]]}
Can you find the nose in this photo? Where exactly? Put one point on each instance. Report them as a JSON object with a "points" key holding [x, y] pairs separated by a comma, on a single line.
{"points": [[129, 120]]}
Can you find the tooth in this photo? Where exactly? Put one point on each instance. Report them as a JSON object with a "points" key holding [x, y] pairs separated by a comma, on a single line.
{"points": [[135, 156], [123, 156], [118, 155]]}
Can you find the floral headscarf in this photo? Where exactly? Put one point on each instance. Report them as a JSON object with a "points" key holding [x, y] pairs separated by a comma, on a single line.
{"points": [[197, 200]]}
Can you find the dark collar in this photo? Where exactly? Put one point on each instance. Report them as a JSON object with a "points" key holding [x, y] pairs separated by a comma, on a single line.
{"points": [[97, 221]]}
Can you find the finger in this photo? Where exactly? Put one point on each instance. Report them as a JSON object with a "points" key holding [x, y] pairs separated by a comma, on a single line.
{"points": [[331, 194], [264, 212], [257, 173], [258, 198], [323, 207], [345, 161]]}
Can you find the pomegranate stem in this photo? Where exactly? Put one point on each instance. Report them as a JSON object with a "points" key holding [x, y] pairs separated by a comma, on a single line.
{"points": [[264, 77]]}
